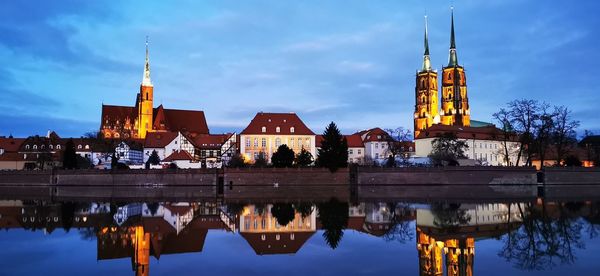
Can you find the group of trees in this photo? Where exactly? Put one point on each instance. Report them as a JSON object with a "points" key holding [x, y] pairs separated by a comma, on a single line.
{"points": [[447, 149], [538, 127]]}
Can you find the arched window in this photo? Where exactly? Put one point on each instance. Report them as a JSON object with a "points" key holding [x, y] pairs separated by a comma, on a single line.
{"points": [[264, 129], [107, 135], [423, 99], [146, 96], [277, 129], [87, 147], [79, 146], [256, 142], [116, 135], [449, 96], [26, 146], [34, 147], [50, 147], [57, 146], [292, 129], [449, 77], [43, 147]]}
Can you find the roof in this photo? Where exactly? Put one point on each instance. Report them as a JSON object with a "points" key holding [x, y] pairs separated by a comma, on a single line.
{"points": [[285, 245], [374, 135], [114, 112], [590, 139], [11, 144], [463, 132], [354, 141], [178, 155], [159, 139], [285, 122], [211, 141], [475, 123], [192, 121]]}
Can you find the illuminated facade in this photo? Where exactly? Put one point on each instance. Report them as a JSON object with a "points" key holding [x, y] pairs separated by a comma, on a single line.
{"points": [[455, 109], [127, 122]]}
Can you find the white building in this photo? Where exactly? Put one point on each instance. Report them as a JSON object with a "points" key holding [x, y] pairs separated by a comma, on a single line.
{"points": [[267, 131], [166, 143], [356, 148], [485, 144]]}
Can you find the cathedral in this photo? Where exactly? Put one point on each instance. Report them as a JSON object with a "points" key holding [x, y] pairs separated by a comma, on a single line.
{"points": [[134, 122], [454, 109]]}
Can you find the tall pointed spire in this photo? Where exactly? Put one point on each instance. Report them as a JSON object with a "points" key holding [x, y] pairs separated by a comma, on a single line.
{"points": [[426, 60], [452, 59], [146, 79]]}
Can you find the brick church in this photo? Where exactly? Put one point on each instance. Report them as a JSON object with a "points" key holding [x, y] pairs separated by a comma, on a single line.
{"points": [[134, 122]]}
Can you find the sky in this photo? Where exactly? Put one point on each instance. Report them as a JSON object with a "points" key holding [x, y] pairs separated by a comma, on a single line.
{"points": [[352, 62]]}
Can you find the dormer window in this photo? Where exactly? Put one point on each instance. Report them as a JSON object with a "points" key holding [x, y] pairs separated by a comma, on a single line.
{"points": [[292, 129], [57, 146], [79, 146], [43, 147], [50, 146], [264, 129], [277, 129], [34, 147], [87, 147], [27, 147]]}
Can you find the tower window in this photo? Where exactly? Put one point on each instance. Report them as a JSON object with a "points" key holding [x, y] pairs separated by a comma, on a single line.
{"points": [[449, 77], [146, 96]]}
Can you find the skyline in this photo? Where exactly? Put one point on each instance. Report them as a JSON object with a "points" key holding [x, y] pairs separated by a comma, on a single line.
{"points": [[350, 63]]}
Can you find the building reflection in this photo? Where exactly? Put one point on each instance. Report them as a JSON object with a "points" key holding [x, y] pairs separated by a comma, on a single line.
{"points": [[445, 234]]}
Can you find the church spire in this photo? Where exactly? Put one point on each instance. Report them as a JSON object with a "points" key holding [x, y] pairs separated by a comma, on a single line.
{"points": [[453, 59], [426, 60], [146, 79]]}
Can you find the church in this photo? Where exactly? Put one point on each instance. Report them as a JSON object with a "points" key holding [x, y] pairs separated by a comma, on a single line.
{"points": [[135, 122], [454, 101]]}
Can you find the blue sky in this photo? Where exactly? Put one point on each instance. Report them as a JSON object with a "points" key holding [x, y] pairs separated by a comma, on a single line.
{"points": [[349, 61]]}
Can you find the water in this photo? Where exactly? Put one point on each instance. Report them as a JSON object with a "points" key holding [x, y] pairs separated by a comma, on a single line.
{"points": [[319, 238]]}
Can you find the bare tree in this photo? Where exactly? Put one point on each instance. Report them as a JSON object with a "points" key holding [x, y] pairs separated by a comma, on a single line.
{"points": [[563, 133], [543, 127], [395, 139], [504, 119], [523, 114]]}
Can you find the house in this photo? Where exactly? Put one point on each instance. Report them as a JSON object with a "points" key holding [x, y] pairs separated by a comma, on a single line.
{"points": [[376, 143], [485, 144], [9, 153], [166, 143], [130, 152], [267, 131], [183, 160], [214, 150]]}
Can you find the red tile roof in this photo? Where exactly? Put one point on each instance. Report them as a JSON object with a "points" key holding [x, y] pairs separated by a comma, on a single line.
{"points": [[11, 144], [159, 139], [463, 132], [285, 121], [285, 245], [178, 155], [374, 135], [354, 141]]}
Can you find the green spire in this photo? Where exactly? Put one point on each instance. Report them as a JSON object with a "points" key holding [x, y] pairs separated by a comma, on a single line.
{"points": [[426, 60], [453, 59]]}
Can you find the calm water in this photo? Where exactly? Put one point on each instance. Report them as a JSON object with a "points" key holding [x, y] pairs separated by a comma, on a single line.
{"points": [[301, 238]]}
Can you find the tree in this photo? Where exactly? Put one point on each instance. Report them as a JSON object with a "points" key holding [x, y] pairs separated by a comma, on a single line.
{"points": [[153, 159], [572, 161], [333, 153], [283, 157], [523, 114], [283, 212], [395, 139], [304, 158], [504, 119], [261, 160], [70, 156], [114, 161], [390, 162], [447, 149], [334, 218], [542, 129], [236, 161], [563, 133]]}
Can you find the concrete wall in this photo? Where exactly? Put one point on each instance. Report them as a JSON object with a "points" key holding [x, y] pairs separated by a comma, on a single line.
{"points": [[152, 178], [572, 183], [285, 184]]}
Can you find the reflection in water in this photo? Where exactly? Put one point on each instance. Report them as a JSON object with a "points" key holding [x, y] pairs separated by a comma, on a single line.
{"points": [[535, 235]]}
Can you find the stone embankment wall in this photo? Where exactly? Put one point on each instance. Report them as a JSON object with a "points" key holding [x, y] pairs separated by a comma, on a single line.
{"points": [[285, 184], [572, 183]]}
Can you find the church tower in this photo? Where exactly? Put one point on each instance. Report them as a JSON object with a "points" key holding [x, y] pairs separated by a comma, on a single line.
{"points": [[145, 101], [455, 102], [426, 93]]}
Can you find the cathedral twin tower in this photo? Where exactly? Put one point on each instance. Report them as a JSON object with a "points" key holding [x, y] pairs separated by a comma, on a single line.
{"points": [[455, 103]]}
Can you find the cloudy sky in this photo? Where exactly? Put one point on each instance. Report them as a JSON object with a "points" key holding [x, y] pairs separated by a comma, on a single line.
{"points": [[352, 62]]}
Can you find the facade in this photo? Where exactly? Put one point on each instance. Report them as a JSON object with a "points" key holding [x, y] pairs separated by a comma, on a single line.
{"points": [[10, 159], [126, 122], [485, 144], [215, 150], [356, 148], [166, 143], [130, 152], [455, 110], [267, 131], [183, 160]]}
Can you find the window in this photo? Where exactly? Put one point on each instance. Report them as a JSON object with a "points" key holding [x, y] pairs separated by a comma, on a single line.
{"points": [[263, 237], [79, 147], [57, 146], [50, 147], [34, 147], [247, 142], [117, 135], [277, 129], [27, 147], [277, 142], [264, 129], [410, 149], [43, 147], [376, 155], [264, 142], [292, 129], [359, 151], [256, 142], [292, 142], [350, 151], [376, 145], [87, 146]]}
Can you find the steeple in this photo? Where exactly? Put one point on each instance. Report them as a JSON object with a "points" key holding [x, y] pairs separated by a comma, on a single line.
{"points": [[146, 79], [426, 60], [452, 59]]}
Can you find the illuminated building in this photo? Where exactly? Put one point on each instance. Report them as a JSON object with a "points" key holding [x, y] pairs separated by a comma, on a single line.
{"points": [[125, 122], [267, 131]]}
